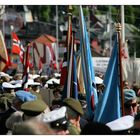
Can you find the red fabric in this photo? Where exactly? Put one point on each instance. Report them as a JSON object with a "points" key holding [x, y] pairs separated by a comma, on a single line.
{"points": [[17, 47], [63, 76]]}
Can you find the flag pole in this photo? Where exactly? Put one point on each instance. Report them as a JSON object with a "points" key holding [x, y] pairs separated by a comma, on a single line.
{"points": [[119, 28], [69, 35]]}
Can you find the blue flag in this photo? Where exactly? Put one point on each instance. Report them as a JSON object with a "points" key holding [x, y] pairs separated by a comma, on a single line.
{"points": [[108, 108], [87, 68]]}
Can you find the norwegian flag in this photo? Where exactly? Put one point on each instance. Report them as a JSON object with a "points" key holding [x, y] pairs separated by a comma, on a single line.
{"points": [[17, 47]]}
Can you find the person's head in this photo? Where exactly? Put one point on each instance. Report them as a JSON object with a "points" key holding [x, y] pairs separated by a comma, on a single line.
{"points": [[130, 102], [6, 102], [74, 111], [57, 121], [15, 118], [33, 109], [126, 85], [22, 97], [121, 125], [8, 88], [136, 127], [32, 127], [96, 128]]}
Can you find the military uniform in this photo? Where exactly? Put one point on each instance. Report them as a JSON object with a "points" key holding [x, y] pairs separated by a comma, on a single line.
{"points": [[33, 108], [74, 109], [73, 130]]}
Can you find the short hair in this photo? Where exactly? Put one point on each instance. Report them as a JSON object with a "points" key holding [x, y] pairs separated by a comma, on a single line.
{"points": [[32, 127], [71, 114], [96, 128]]}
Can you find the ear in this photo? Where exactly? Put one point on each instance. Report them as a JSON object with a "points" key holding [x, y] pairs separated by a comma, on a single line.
{"points": [[78, 118]]}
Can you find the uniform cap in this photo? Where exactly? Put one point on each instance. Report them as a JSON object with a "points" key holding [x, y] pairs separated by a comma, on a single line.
{"points": [[57, 118], [98, 80], [3, 74], [57, 74], [33, 108], [35, 76], [14, 82], [122, 123], [31, 82], [55, 115], [129, 94], [53, 80], [74, 104], [25, 96], [7, 85]]}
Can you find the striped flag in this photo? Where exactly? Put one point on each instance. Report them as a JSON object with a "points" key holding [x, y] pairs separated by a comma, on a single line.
{"points": [[40, 67], [26, 69], [69, 69], [108, 108], [64, 69], [4, 58], [17, 47], [87, 68]]}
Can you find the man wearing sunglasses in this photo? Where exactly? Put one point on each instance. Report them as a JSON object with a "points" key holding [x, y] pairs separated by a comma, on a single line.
{"points": [[130, 102]]}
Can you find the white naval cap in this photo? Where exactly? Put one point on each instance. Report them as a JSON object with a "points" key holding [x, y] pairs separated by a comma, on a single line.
{"points": [[57, 74], [7, 85], [14, 82], [33, 76], [31, 82], [122, 123], [98, 80], [53, 80], [3, 74], [55, 115]]}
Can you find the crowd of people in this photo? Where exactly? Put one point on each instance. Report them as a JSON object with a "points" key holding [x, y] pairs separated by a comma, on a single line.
{"points": [[40, 110]]}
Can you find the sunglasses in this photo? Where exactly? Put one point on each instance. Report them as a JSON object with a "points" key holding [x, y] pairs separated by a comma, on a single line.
{"points": [[130, 105]]}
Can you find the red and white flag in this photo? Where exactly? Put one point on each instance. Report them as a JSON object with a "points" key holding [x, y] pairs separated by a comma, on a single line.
{"points": [[17, 47], [26, 70]]}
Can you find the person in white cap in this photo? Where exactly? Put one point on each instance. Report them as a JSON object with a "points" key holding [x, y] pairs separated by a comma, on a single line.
{"points": [[8, 88], [57, 121], [122, 125], [34, 88], [99, 85]]}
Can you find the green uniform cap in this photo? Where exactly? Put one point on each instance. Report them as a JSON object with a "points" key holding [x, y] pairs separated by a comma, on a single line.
{"points": [[33, 108], [74, 104]]}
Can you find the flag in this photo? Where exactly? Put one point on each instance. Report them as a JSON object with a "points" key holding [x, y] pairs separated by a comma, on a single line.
{"points": [[70, 86], [70, 78], [80, 80], [26, 69], [124, 51], [40, 67], [87, 68], [108, 108], [64, 69], [4, 58], [17, 47]]}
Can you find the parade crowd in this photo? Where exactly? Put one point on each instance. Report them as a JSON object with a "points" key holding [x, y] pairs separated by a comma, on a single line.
{"points": [[40, 110]]}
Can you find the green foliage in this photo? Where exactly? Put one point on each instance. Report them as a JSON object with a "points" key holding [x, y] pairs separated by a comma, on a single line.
{"points": [[45, 13]]}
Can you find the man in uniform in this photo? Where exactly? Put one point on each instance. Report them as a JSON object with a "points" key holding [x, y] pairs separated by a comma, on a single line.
{"points": [[74, 112]]}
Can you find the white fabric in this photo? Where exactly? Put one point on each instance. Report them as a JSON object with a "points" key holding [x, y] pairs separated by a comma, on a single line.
{"points": [[7, 85], [53, 80], [31, 82], [54, 115], [98, 80], [122, 123]]}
